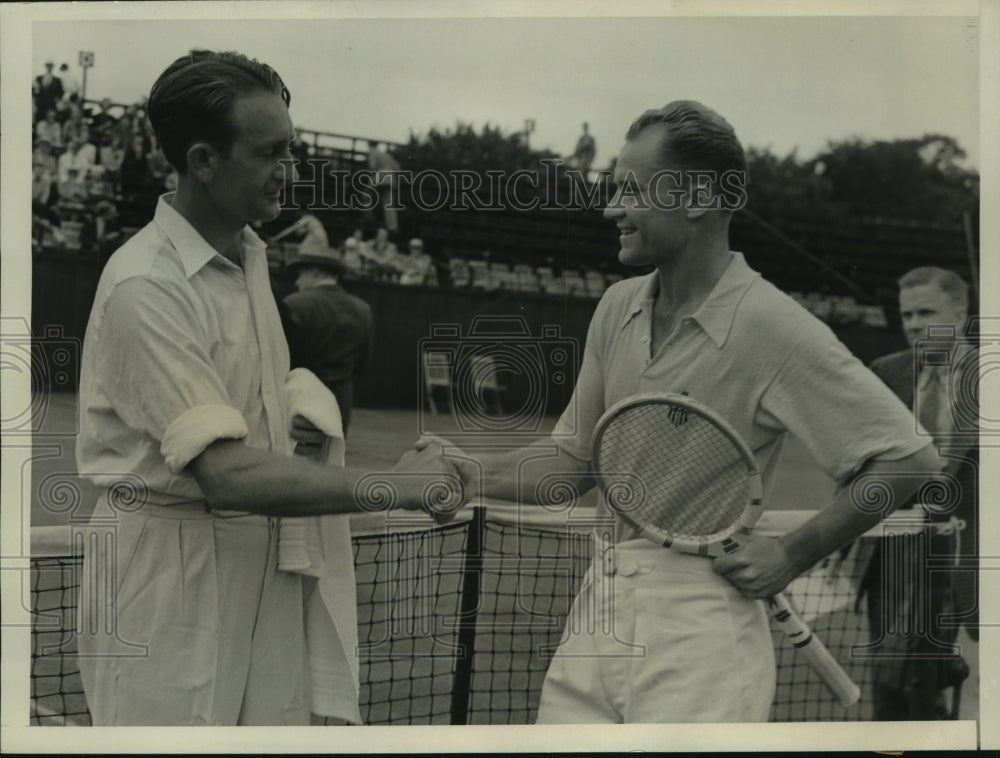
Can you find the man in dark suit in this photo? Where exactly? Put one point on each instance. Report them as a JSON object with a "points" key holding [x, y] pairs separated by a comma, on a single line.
{"points": [[329, 331], [48, 89], [915, 661]]}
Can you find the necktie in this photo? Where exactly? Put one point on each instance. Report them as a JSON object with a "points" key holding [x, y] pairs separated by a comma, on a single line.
{"points": [[930, 401]]}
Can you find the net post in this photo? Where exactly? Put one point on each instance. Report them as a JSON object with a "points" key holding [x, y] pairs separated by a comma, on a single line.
{"points": [[472, 576]]}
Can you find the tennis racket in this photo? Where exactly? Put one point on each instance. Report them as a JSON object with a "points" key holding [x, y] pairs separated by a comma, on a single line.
{"points": [[681, 475]]}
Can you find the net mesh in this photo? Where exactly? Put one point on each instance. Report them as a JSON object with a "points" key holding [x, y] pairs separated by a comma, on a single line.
{"points": [[704, 496], [409, 589]]}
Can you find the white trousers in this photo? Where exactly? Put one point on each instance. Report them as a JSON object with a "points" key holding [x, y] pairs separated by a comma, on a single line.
{"points": [[655, 636], [185, 620]]}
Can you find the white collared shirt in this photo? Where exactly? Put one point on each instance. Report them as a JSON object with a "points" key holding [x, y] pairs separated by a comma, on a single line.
{"points": [[753, 355], [183, 347]]}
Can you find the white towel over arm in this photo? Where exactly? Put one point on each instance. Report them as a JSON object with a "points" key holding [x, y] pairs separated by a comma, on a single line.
{"points": [[320, 548]]}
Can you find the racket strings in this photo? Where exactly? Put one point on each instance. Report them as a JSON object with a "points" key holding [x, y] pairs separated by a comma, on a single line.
{"points": [[666, 466]]}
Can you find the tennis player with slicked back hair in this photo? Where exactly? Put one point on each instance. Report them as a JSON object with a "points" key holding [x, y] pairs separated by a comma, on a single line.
{"points": [[657, 635], [183, 393]]}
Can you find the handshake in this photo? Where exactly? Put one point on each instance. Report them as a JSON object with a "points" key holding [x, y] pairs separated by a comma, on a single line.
{"points": [[435, 476]]}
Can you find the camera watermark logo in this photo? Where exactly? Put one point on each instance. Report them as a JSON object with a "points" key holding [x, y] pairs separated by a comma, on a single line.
{"points": [[967, 366], [439, 493], [494, 379], [50, 363], [917, 565]]}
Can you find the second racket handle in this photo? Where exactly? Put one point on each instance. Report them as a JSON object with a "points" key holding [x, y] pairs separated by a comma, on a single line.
{"points": [[820, 659]]}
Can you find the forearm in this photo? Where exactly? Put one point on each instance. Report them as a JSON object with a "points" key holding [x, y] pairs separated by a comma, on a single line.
{"points": [[235, 477], [535, 474], [850, 514]]}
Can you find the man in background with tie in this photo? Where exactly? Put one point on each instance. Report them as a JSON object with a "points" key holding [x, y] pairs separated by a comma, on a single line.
{"points": [[913, 666]]}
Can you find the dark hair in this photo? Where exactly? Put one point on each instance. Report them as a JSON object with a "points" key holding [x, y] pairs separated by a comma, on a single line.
{"points": [[697, 137], [193, 100], [948, 282]]}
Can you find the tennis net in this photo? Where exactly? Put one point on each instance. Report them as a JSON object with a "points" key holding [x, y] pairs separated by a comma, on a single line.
{"points": [[457, 623]]}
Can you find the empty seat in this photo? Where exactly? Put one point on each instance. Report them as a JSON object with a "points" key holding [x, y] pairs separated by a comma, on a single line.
{"points": [[574, 283], [503, 276], [594, 281], [437, 373], [527, 279], [481, 277], [461, 276]]}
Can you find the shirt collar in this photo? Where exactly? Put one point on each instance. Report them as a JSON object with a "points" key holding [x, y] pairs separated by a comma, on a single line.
{"points": [[193, 249], [716, 314], [643, 297]]}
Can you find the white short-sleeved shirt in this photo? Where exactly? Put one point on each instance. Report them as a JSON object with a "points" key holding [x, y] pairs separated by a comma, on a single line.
{"points": [[755, 356], [183, 348]]}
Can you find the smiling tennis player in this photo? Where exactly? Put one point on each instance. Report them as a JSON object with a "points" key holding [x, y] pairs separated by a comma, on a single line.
{"points": [[690, 639]]}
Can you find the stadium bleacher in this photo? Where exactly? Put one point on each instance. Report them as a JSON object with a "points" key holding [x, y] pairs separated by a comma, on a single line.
{"points": [[568, 252]]}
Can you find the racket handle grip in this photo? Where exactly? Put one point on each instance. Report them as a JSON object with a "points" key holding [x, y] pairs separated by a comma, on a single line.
{"points": [[815, 652]]}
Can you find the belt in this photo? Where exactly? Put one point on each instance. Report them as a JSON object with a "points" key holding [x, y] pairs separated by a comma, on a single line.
{"points": [[640, 556], [609, 560]]}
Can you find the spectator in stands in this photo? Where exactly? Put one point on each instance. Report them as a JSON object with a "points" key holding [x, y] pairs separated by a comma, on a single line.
{"points": [[42, 179], [383, 258], [49, 129], [329, 331], [74, 124], [73, 186], [43, 155], [101, 125], [78, 157], [586, 148], [48, 89], [353, 261], [112, 155], [416, 267], [71, 85], [160, 169], [101, 202], [142, 125], [913, 663], [359, 238], [383, 164], [126, 124], [134, 176], [70, 107]]}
